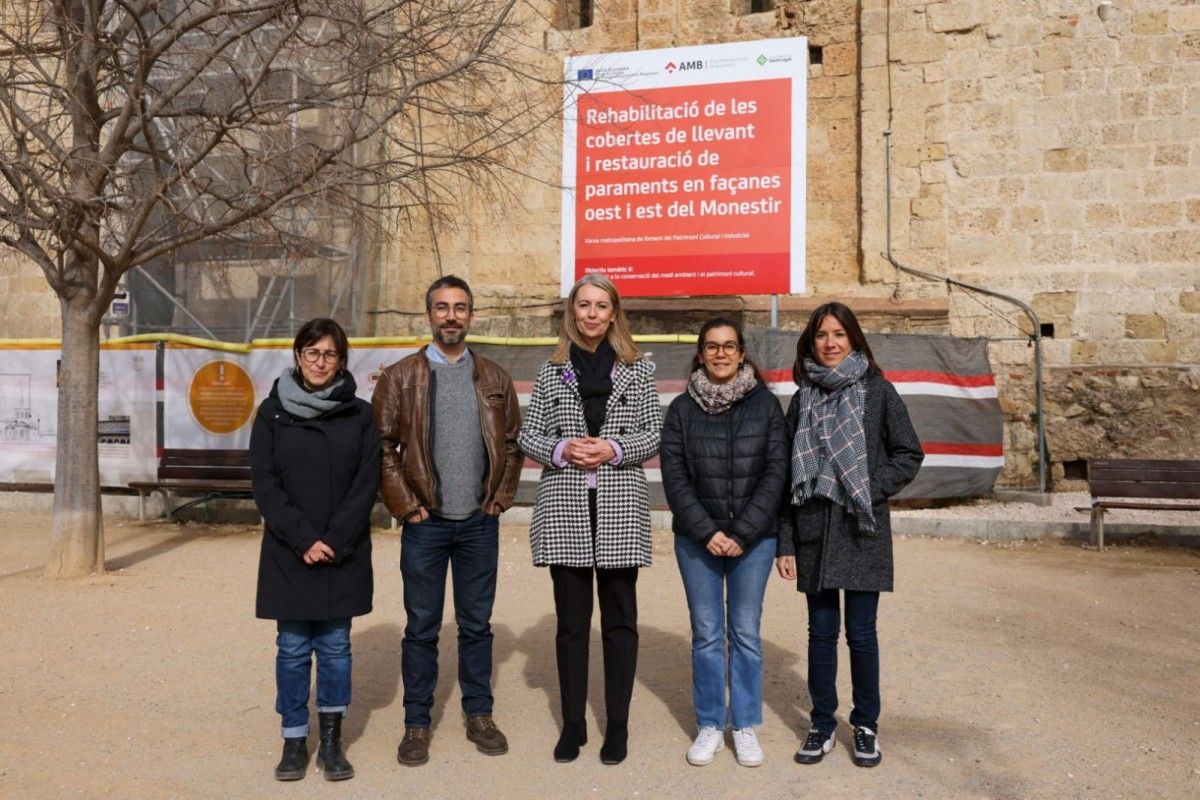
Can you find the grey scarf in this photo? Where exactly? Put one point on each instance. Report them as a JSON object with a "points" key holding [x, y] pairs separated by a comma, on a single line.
{"points": [[829, 453], [714, 398], [299, 402]]}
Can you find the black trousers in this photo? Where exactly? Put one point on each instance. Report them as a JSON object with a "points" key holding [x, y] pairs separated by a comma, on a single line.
{"points": [[617, 589]]}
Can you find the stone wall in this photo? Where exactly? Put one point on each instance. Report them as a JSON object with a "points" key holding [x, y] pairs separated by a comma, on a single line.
{"points": [[1047, 154], [28, 308]]}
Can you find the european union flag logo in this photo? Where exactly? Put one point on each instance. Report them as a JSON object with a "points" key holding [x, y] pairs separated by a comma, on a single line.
{"points": [[584, 75]]}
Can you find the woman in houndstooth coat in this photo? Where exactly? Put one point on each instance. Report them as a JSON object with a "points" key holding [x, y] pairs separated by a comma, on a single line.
{"points": [[592, 421]]}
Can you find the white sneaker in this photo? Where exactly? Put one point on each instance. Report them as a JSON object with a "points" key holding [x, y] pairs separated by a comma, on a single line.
{"points": [[709, 742], [746, 747]]}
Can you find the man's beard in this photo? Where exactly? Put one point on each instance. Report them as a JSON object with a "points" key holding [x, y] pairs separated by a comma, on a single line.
{"points": [[449, 337]]}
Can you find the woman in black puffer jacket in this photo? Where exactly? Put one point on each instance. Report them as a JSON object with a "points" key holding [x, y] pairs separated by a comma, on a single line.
{"points": [[724, 465]]}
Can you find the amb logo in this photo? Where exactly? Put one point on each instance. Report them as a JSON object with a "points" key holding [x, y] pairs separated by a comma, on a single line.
{"points": [[684, 65]]}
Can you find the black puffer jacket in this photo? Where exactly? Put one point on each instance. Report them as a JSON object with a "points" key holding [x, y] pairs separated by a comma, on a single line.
{"points": [[315, 479], [725, 472]]}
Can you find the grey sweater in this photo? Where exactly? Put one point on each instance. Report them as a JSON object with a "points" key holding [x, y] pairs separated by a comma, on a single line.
{"points": [[458, 448]]}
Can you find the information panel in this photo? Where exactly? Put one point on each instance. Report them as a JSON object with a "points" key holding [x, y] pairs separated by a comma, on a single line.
{"points": [[684, 169]]}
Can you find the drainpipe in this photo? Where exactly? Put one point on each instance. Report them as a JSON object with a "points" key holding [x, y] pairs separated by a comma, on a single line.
{"points": [[1036, 337]]}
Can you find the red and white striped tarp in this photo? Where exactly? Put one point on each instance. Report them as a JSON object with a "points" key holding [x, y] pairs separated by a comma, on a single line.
{"points": [[946, 382]]}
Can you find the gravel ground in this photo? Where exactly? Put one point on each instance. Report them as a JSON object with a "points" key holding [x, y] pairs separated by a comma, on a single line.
{"points": [[1013, 670], [1061, 509]]}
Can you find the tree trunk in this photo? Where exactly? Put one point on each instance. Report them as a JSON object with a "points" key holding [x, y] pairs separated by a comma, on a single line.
{"points": [[76, 537]]}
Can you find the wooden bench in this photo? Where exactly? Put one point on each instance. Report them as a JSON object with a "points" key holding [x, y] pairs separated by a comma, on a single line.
{"points": [[1145, 479], [204, 474]]}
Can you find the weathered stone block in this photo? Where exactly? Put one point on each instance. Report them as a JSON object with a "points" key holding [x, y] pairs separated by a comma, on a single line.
{"points": [[1066, 159], [1145, 326], [926, 208], [1172, 155], [840, 59], [958, 16], [1026, 218], [1102, 214], [1050, 248], [1147, 23], [1063, 216], [1161, 352], [1181, 245], [1054, 304], [917, 47], [1083, 352], [1152, 215]]}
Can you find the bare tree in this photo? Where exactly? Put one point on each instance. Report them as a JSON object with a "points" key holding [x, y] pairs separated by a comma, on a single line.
{"points": [[132, 128]]}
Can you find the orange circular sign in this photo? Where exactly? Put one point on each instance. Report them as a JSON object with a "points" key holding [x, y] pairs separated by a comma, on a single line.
{"points": [[221, 396]]}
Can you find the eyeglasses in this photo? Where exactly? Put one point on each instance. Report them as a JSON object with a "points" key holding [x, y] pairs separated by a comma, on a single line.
{"points": [[445, 309], [728, 348], [312, 355]]}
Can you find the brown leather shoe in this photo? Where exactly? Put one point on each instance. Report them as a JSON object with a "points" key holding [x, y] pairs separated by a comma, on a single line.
{"points": [[414, 747], [487, 737]]}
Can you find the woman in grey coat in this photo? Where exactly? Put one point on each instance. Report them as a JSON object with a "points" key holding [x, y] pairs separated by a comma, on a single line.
{"points": [[594, 417], [853, 447]]}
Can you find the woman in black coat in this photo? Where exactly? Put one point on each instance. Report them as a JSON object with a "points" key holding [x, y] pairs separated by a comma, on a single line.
{"points": [[314, 461], [724, 466], [853, 447]]}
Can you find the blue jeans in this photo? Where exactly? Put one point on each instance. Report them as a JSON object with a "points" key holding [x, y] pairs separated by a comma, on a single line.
{"points": [[718, 664], [296, 640], [471, 548], [823, 625]]}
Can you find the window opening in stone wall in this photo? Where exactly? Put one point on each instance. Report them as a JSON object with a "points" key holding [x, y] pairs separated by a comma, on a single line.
{"points": [[1075, 470], [574, 14], [1047, 330], [816, 54], [743, 7]]}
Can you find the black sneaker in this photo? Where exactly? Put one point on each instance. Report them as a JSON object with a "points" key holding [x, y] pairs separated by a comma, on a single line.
{"points": [[815, 746], [866, 747]]}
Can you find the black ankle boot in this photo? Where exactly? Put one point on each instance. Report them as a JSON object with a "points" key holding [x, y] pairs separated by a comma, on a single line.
{"points": [[616, 742], [329, 753], [294, 762], [573, 736]]}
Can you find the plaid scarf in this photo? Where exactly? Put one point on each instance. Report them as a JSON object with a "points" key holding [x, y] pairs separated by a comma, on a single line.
{"points": [[829, 453]]}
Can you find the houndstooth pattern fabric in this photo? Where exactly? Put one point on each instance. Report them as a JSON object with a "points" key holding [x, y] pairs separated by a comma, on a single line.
{"points": [[829, 452], [561, 530]]}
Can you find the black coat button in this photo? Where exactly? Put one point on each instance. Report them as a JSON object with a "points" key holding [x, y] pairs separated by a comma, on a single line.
{"points": [[621, 431], [558, 432], [623, 399]]}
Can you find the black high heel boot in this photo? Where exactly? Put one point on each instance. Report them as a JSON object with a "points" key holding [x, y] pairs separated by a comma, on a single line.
{"points": [[329, 753], [573, 736], [616, 742]]}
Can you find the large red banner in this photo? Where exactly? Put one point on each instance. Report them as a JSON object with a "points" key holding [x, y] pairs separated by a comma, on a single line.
{"points": [[704, 196]]}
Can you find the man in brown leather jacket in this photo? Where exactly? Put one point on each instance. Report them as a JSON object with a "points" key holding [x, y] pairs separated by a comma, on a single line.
{"points": [[449, 420]]}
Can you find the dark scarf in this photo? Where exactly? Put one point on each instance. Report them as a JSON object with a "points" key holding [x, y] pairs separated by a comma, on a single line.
{"points": [[594, 378]]}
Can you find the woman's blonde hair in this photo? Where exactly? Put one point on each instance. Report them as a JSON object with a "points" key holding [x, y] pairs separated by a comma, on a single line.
{"points": [[618, 331]]}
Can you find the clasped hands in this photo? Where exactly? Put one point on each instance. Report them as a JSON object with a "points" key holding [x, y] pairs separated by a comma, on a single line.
{"points": [[589, 452], [317, 553], [722, 545]]}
